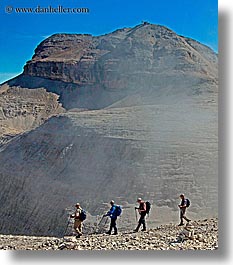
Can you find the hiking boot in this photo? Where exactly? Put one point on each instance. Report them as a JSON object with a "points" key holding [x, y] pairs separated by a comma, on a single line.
{"points": [[115, 233], [144, 229], [108, 233], [135, 230], [180, 224], [78, 236]]}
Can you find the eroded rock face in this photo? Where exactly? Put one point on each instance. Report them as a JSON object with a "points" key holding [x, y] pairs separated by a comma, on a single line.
{"points": [[24, 109], [69, 58]]}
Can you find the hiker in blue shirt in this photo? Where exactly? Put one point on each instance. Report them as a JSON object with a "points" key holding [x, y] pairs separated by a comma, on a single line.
{"points": [[112, 213]]}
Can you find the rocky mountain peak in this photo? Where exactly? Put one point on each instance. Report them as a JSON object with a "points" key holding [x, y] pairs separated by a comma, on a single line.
{"points": [[103, 60]]}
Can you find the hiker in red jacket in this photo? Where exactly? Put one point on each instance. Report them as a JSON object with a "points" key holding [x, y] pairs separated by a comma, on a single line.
{"points": [[142, 211]]}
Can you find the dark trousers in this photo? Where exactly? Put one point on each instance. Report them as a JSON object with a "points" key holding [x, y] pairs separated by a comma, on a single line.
{"points": [[183, 216], [113, 225], [141, 221]]}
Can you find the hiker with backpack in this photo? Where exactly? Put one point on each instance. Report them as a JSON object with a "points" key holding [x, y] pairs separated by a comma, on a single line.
{"points": [[142, 209], [184, 204], [113, 213], [79, 216]]}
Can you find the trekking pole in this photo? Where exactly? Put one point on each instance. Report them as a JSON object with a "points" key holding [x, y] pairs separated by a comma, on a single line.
{"points": [[101, 220], [106, 221], [66, 226], [136, 214], [101, 228]]}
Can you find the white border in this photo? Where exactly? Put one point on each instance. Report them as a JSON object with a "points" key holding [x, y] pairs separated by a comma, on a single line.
{"points": [[224, 255]]}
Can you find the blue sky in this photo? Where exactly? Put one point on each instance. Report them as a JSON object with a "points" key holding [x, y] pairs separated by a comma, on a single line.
{"points": [[21, 33]]}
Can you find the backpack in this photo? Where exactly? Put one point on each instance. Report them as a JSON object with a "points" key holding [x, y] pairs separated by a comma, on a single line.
{"points": [[187, 203], [118, 210], [148, 207], [83, 215]]}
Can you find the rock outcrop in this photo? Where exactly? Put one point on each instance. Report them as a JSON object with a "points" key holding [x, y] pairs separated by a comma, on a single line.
{"points": [[141, 120], [23, 109]]}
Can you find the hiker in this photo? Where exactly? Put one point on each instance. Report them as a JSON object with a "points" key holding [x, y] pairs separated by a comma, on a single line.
{"points": [[77, 220], [142, 211], [183, 206], [112, 213]]}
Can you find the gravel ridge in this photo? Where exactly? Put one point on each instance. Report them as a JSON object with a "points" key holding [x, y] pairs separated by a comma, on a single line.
{"points": [[164, 237]]}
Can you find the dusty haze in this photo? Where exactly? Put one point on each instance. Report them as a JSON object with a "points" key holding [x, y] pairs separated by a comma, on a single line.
{"points": [[128, 114]]}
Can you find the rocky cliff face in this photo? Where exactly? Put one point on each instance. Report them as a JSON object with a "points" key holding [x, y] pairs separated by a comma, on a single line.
{"points": [[140, 120], [23, 109]]}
